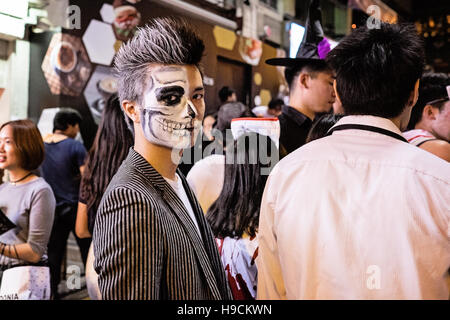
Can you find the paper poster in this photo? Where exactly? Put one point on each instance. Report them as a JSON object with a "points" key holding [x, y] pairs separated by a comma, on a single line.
{"points": [[99, 88], [66, 65]]}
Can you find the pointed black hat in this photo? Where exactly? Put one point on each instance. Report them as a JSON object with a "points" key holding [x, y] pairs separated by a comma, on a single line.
{"points": [[308, 51]]}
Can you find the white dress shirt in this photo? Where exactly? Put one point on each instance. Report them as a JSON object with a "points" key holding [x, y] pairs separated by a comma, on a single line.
{"points": [[356, 215]]}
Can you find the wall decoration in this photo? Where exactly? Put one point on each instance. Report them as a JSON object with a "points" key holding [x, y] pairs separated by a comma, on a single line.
{"points": [[283, 87], [45, 122], [257, 78], [225, 38], [99, 41], [126, 20], [266, 96], [99, 88], [66, 65], [107, 13], [250, 50]]}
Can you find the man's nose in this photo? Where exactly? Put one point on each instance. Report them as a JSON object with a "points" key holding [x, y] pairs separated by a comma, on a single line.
{"points": [[191, 110]]}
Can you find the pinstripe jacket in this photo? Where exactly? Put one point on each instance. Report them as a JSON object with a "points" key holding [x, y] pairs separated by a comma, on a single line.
{"points": [[147, 246]]}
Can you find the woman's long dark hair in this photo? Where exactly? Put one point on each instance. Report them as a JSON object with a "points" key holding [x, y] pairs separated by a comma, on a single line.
{"points": [[111, 145], [236, 211]]}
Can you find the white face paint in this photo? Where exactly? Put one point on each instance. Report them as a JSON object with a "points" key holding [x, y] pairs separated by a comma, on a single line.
{"points": [[173, 106]]}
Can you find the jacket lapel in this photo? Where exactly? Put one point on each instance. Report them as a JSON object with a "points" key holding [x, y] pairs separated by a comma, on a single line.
{"points": [[181, 213]]}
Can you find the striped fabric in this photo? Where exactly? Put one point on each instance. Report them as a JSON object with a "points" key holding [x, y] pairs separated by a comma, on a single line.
{"points": [[418, 136], [147, 246]]}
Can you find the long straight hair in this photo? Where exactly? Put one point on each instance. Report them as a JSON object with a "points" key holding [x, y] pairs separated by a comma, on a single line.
{"points": [[111, 145], [236, 211]]}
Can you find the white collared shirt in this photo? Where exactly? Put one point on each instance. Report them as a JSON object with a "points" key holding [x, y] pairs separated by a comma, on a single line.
{"points": [[356, 215]]}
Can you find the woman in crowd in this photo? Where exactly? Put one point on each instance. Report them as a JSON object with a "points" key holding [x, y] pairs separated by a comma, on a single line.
{"points": [[26, 200], [234, 215], [110, 148]]}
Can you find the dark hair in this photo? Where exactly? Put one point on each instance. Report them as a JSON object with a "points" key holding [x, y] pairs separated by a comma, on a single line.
{"points": [[237, 209], [432, 88], [322, 125], [312, 67], [225, 93], [376, 69], [28, 141], [110, 148], [66, 117], [165, 40], [276, 104]]}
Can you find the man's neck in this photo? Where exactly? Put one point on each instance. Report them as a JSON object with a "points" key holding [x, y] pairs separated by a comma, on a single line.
{"points": [[422, 126], [300, 107], [159, 157], [56, 136]]}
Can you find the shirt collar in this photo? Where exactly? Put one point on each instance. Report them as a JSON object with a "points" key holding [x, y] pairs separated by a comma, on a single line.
{"points": [[295, 115], [374, 121]]}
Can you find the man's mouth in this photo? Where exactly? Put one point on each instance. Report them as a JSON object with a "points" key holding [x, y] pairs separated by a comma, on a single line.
{"points": [[173, 126]]}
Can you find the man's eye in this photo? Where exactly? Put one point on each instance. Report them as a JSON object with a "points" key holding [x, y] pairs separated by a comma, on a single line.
{"points": [[198, 96], [171, 100]]}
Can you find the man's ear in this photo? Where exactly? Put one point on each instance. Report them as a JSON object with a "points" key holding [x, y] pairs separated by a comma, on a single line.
{"points": [[429, 112], [335, 91], [414, 95], [303, 80], [132, 110]]}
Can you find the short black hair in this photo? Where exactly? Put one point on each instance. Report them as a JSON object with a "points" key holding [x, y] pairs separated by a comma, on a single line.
{"points": [[376, 69], [275, 103], [322, 125], [224, 93], [313, 66], [432, 88], [66, 117]]}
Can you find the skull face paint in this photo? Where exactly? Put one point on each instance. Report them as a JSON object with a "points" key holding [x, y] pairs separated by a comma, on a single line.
{"points": [[173, 106]]}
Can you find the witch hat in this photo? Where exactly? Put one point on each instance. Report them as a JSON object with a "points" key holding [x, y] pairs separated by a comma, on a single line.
{"points": [[308, 52]]}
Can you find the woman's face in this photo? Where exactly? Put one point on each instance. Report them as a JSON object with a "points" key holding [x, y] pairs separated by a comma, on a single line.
{"points": [[8, 150]]}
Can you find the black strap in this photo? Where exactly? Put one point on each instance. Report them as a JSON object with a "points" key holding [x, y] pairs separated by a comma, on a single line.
{"points": [[367, 128]]}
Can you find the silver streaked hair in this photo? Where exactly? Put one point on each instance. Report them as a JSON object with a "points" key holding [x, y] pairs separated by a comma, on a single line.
{"points": [[163, 40]]}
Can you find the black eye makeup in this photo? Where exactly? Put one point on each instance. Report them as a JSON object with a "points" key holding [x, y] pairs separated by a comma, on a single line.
{"points": [[169, 96]]}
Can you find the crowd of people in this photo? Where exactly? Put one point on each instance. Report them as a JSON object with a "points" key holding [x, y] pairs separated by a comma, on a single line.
{"points": [[342, 194]]}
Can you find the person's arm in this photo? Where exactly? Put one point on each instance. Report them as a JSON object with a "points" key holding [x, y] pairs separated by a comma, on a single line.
{"points": [[128, 247], [80, 153], [439, 148], [81, 224], [41, 221], [270, 279]]}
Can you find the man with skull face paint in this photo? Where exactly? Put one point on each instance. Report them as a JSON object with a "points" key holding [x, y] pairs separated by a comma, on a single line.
{"points": [[151, 240]]}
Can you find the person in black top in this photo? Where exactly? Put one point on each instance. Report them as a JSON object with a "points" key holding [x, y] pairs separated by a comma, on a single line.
{"points": [[62, 168], [310, 82]]}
